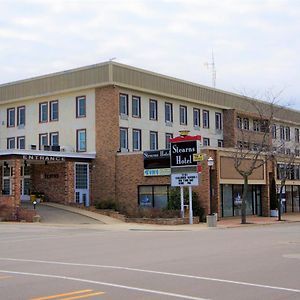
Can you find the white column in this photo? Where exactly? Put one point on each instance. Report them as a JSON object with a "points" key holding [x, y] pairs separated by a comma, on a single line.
{"points": [[181, 202], [191, 204]]}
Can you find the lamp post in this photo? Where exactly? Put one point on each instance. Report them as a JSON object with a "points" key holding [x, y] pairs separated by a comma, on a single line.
{"points": [[210, 163]]}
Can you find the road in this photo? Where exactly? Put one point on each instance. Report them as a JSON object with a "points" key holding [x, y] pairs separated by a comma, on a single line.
{"points": [[92, 262]]}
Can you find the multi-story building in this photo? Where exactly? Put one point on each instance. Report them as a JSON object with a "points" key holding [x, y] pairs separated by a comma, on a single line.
{"points": [[78, 137]]}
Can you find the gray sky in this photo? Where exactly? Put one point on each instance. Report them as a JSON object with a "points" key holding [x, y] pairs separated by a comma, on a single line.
{"points": [[256, 43]]}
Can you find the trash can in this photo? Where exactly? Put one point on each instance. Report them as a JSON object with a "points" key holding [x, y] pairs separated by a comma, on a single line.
{"points": [[32, 198], [212, 220]]}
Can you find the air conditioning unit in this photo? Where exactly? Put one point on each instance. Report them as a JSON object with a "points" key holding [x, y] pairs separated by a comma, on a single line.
{"points": [[124, 150], [46, 147], [55, 148], [33, 147], [124, 117], [67, 149]]}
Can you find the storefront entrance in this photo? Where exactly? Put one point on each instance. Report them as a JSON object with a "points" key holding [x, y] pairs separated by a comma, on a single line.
{"points": [[82, 184], [25, 183]]}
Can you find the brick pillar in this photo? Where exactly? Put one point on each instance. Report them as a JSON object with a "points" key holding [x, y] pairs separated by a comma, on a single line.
{"points": [[230, 130], [69, 182]]}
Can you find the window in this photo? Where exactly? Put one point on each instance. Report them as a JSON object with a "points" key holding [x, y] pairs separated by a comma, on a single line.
{"points": [[43, 140], [282, 135], [154, 196], [54, 110], [297, 135], [256, 125], [11, 143], [123, 138], [136, 106], [168, 137], [168, 112], [153, 109], [206, 142], [123, 103], [218, 118], [183, 115], [287, 133], [80, 107], [136, 140], [274, 131], [220, 143], [205, 119], [246, 123], [43, 112], [81, 140], [153, 140], [10, 117], [21, 116], [54, 141], [239, 122], [21, 142], [196, 117]]}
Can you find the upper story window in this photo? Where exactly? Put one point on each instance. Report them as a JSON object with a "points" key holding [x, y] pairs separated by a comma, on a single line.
{"points": [[220, 143], [43, 140], [153, 140], [287, 133], [256, 125], [168, 112], [218, 118], [183, 115], [80, 107], [168, 137], [136, 106], [81, 140], [54, 141], [282, 132], [297, 135], [206, 142], [123, 138], [242, 123], [11, 117], [136, 140], [205, 119], [21, 116], [21, 142], [196, 117], [152, 109], [123, 104], [54, 110], [11, 143], [274, 131], [43, 112], [246, 123]]}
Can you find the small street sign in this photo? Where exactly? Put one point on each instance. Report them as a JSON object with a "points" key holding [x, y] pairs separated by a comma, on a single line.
{"points": [[198, 157]]}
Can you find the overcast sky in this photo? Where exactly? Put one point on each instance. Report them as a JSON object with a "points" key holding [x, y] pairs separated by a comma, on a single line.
{"points": [[256, 44]]}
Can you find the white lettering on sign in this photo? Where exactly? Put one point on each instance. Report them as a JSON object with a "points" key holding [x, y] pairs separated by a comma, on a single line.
{"points": [[183, 150], [41, 157], [186, 179]]}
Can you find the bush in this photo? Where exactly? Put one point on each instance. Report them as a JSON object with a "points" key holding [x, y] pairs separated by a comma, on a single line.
{"points": [[151, 213], [106, 204]]}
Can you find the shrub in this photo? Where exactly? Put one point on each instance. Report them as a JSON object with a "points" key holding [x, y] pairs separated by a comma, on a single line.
{"points": [[106, 204]]}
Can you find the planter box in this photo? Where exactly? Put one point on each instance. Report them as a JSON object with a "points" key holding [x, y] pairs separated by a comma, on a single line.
{"points": [[274, 213]]}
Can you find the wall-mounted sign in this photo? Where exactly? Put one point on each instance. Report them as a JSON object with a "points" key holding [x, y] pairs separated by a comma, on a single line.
{"points": [[41, 157], [182, 153], [157, 159], [185, 179], [157, 172], [198, 157], [51, 176]]}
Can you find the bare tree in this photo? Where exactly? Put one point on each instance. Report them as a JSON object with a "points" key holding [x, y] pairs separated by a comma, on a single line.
{"points": [[254, 148]]}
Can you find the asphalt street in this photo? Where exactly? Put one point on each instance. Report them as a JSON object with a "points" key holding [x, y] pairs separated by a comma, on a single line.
{"points": [[91, 262]]}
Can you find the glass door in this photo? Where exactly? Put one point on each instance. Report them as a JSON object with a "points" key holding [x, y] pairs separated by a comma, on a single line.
{"points": [[82, 184]]}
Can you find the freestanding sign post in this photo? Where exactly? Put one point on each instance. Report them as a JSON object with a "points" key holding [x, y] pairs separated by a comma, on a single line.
{"points": [[184, 155]]}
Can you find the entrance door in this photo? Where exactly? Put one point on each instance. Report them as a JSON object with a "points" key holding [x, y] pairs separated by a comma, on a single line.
{"points": [[25, 183], [82, 184]]}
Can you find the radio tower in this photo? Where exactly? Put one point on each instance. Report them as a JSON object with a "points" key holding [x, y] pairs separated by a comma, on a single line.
{"points": [[212, 67]]}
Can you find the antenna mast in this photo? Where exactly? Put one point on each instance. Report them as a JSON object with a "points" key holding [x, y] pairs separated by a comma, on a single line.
{"points": [[212, 67]]}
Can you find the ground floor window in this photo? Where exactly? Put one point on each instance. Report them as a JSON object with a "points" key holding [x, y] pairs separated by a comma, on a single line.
{"points": [[231, 192], [290, 198], [154, 196]]}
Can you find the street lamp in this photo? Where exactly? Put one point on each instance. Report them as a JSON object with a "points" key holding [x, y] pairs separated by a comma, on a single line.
{"points": [[210, 163]]}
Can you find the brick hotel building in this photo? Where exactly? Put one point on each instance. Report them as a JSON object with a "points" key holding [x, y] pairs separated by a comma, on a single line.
{"points": [[78, 136]]}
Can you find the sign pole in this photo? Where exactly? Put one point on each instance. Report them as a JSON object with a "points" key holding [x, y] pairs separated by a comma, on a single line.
{"points": [[191, 204], [181, 202]]}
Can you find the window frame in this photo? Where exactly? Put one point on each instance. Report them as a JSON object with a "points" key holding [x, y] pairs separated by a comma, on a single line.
{"points": [[78, 99], [51, 111], [168, 112], [168, 136], [199, 117], [78, 131], [139, 131], [9, 125], [218, 121], [121, 95], [138, 99], [19, 108], [8, 140], [125, 129], [155, 117], [297, 135], [155, 133], [220, 143], [183, 113], [19, 138], [41, 105], [207, 140], [205, 113], [41, 135], [51, 134]]}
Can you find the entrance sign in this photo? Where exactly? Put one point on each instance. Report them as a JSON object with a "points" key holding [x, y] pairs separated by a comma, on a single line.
{"points": [[42, 157], [185, 179]]}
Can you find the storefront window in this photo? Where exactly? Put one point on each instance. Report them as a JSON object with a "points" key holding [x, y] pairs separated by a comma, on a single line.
{"points": [[145, 196], [296, 193], [227, 200], [288, 198], [160, 196], [154, 196]]}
